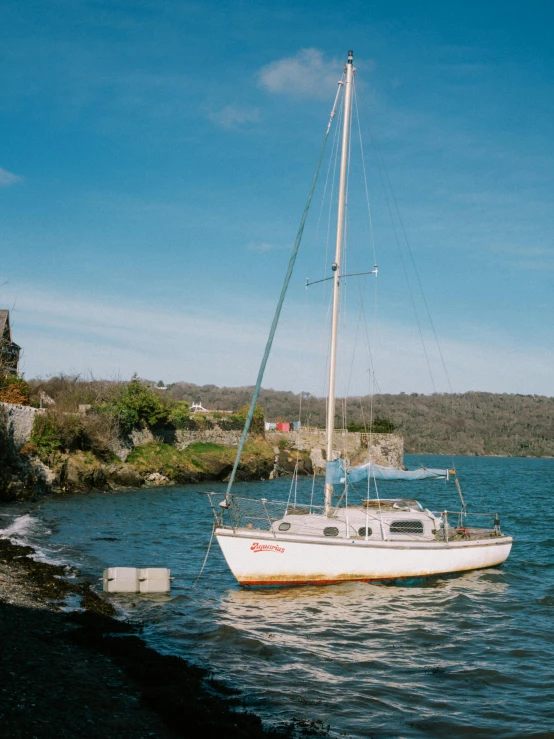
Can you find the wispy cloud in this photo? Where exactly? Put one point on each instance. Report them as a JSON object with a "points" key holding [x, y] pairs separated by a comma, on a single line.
{"points": [[233, 116], [106, 338], [262, 247], [523, 250], [8, 178], [307, 74], [103, 336]]}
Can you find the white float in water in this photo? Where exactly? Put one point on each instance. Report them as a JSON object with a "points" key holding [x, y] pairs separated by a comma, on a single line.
{"points": [[136, 580], [154, 580]]}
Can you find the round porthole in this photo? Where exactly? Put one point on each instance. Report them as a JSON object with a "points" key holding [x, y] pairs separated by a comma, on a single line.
{"points": [[364, 532], [284, 526], [330, 531]]}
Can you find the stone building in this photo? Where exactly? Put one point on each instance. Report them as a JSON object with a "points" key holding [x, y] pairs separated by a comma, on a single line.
{"points": [[9, 351]]}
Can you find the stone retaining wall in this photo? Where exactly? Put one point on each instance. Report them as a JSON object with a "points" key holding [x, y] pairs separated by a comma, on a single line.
{"points": [[215, 435], [386, 449], [20, 420]]}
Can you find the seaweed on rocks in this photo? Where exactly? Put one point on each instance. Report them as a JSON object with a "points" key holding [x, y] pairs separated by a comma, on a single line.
{"points": [[183, 697], [170, 686]]}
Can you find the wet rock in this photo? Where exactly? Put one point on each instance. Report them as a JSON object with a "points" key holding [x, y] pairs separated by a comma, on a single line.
{"points": [[71, 473], [156, 479], [289, 458], [81, 474], [256, 464], [124, 475], [187, 477], [43, 473], [92, 602], [215, 467], [20, 480], [11, 488], [98, 480]]}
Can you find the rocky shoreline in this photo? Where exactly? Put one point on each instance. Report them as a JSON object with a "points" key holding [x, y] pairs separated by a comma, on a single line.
{"points": [[84, 673], [23, 476]]}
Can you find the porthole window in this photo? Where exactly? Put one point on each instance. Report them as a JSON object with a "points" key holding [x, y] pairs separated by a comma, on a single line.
{"points": [[364, 532], [406, 527], [330, 531], [284, 526]]}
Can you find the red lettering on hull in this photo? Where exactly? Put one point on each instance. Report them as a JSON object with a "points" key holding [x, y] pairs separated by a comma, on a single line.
{"points": [[257, 547]]}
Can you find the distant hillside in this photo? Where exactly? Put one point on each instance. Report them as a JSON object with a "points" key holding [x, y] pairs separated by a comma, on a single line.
{"points": [[472, 423]]}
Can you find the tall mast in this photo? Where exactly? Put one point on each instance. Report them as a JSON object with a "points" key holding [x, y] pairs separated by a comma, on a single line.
{"points": [[336, 270]]}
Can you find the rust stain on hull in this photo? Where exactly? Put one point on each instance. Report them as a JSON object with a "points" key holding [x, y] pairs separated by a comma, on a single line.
{"points": [[316, 580]]}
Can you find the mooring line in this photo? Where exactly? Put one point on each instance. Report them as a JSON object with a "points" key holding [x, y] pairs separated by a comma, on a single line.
{"points": [[205, 559]]}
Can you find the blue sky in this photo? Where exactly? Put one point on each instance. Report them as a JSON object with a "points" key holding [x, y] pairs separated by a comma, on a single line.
{"points": [[155, 158]]}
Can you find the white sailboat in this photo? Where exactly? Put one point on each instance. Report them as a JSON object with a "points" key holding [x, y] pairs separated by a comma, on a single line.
{"points": [[276, 543]]}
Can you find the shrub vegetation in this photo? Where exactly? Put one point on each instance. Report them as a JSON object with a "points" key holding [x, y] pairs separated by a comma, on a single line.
{"points": [[14, 389], [137, 405], [93, 415]]}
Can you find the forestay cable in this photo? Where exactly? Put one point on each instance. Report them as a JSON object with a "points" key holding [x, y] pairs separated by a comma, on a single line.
{"points": [[281, 300]]}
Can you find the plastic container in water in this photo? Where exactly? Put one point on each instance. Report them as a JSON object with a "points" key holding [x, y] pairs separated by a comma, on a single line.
{"points": [[135, 580], [120, 580], [154, 580]]}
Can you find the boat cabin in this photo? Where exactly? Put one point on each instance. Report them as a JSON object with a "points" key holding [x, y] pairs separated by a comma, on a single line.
{"points": [[386, 520]]}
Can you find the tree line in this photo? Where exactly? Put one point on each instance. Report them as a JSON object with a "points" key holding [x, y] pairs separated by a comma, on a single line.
{"points": [[468, 423]]}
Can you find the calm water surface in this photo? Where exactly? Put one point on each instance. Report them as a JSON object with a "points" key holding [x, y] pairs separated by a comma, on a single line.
{"points": [[465, 656]]}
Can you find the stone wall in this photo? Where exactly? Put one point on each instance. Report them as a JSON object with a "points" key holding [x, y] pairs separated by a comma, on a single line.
{"points": [[386, 449], [20, 420], [181, 439], [215, 435]]}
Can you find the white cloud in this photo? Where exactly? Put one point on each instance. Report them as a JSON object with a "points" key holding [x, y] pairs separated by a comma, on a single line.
{"points": [[8, 178], [232, 116], [308, 74]]}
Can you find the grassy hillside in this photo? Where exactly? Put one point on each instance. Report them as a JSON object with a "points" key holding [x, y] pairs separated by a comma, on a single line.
{"points": [[469, 423]]}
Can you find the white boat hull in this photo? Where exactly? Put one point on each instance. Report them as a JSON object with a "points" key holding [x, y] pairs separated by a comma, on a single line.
{"points": [[261, 559]]}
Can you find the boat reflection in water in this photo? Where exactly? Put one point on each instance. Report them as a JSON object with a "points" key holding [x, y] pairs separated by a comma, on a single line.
{"points": [[290, 614], [379, 647]]}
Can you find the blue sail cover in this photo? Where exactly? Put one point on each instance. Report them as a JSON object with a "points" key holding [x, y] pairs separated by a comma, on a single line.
{"points": [[339, 472]]}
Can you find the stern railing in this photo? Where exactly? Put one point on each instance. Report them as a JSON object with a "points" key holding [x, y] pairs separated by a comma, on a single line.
{"points": [[464, 524]]}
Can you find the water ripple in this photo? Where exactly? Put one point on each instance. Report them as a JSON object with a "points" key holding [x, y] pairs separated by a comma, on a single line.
{"points": [[458, 656]]}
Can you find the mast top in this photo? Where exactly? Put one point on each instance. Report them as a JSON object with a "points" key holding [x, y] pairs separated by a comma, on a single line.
{"points": [[350, 56]]}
